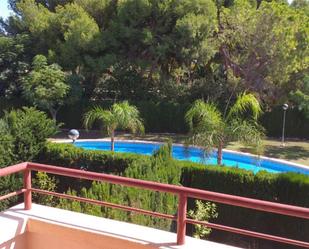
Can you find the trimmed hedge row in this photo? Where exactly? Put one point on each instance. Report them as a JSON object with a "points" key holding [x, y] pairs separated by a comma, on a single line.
{"points": [[69, 156], [287, 188], [169, 117]]}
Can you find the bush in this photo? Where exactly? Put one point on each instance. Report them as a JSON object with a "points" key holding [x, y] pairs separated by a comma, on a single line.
{"points": [[289, 188], [6, 145], [158, 168], [23, 134], [29, 129]]}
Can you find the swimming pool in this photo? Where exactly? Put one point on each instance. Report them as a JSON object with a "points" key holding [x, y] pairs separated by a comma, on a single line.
{"points": [[230, 158]]}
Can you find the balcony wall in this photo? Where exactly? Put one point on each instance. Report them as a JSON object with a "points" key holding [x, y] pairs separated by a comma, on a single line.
{"points": [[51, 228]]}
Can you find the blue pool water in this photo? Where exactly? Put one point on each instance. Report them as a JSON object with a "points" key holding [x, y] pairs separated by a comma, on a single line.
{"points": [[197, 155]]}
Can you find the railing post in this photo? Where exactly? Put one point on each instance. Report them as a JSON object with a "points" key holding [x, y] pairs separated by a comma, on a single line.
{"points": [[27, 186], [181, 219]]}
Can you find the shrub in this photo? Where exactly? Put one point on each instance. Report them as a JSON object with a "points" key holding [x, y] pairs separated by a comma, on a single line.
{"points": [[23, 134], [45, 182], [289, 188], [29, 129], [158, 168], [6, 145], [204, 212]]}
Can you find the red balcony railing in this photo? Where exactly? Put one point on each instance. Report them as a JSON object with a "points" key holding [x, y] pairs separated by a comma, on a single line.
{"points": [[182, 192]]}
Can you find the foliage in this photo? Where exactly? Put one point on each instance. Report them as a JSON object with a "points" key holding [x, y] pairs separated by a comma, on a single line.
{"points": [[289, 188], [44, 182], [204, 212], [209, 128], [22, 135], [124, 82], [70, 156], [161, 50], [264, 46], [29, 129], [45, 85], [301, 96], [9, 184], [13, 63], [165, 51], [146, 168], [120, 116], [6, 145], [101, 33], [165, 152]]}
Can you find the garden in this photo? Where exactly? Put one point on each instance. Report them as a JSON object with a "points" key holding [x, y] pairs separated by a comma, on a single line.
{"points": [[212, 75]]}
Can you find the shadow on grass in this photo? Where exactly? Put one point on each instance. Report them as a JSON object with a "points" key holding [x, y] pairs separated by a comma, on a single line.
{"points": [[288, 152]]}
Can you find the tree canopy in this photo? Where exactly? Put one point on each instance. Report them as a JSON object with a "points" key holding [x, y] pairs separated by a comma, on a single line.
{"points": [[162, 49], [45, 85]]}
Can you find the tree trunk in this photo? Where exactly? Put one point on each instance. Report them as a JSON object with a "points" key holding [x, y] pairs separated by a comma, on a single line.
{"points": [[219, 153], [53, 113], [113, 140]]}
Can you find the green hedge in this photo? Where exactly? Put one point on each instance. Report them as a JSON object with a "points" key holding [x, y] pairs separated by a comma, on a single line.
{"points": [[158, 117], [158, 168], [297, 125], [169, 117], [78, 158], [288, 188]]}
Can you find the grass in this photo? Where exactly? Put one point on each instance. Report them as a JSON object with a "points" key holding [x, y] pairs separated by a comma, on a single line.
{"points": [[294, 151]]}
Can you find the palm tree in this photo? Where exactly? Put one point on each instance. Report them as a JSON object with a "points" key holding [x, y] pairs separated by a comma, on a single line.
{"points": [[120, 116], [210, 129]]}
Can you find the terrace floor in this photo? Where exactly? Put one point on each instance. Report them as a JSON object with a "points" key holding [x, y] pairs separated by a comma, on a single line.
{"points": [[45, 227]]}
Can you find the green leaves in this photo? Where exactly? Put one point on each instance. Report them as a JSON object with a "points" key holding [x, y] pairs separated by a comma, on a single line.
{"points": [[264, 46], [245, 102], [45, 86], [14, 53], [209, 129], [203, 117], [204, 212], [120, 116], [28, 129]]}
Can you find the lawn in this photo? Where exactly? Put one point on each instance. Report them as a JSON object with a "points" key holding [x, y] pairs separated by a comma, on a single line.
{"points": [[294, 151]]}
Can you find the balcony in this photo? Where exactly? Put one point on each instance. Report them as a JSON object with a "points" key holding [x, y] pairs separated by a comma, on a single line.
{"points": [[49, 228], [34, 226]]}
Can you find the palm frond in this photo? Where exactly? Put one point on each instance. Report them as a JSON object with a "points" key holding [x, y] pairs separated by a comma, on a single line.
{"points": [[98, 114], [206, 125], [245, 102], [128, 117], [249, 133], [203, 117]]}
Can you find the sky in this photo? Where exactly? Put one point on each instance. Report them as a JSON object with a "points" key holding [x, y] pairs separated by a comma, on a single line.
{"points": [[5, 12]]}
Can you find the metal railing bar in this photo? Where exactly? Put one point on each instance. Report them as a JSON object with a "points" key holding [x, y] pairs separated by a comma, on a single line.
{"points": [[18, 192], [182, 192], [255, 204], [249, 233], [106, 204], [13, 169]]}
